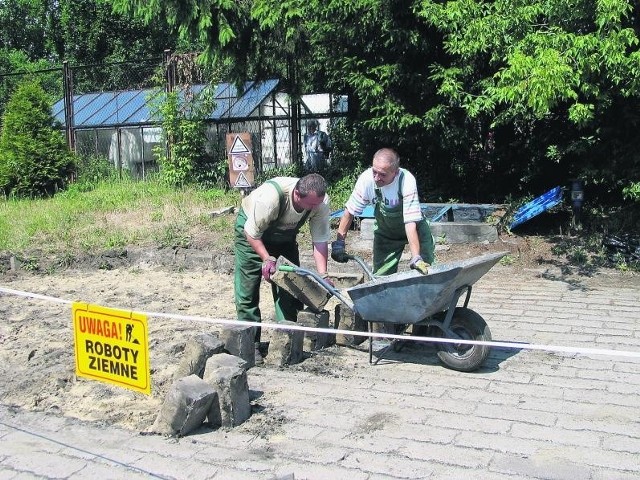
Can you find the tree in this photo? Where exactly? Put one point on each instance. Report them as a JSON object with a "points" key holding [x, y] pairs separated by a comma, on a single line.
{"points": [[17, 66], [34, 160], [22, 27], [557, 82], [482, 98], [89, 32], [249, 38], [183, 112]]}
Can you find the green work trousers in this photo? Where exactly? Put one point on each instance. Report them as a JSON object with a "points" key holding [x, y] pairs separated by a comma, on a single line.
{"points": [[248, 275], [390, 237], [389, 245]]}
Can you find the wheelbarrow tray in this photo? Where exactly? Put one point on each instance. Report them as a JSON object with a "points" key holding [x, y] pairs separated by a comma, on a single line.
{"points": [[410, 297]]}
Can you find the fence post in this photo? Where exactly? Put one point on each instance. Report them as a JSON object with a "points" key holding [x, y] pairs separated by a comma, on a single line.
{"points": [[295, 118], [67, 85], [170, 69]]}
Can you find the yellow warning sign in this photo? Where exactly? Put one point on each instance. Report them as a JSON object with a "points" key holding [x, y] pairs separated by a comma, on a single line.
{"points": [[112, 346]]}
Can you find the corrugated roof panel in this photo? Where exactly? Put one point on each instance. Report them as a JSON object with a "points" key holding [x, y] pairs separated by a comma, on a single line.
{"points": [[224, 99], [126, 103], [223, 106], [88, 107], [101, 109], [226, 90], [135, 106], [252, 98], [58, 111], [144, 112]]}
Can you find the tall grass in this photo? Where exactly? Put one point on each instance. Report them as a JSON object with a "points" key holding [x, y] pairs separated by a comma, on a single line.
{"points": [[113, 214]]}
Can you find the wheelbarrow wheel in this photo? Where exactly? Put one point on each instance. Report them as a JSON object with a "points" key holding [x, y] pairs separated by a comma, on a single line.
{"points": [[467, 325]]}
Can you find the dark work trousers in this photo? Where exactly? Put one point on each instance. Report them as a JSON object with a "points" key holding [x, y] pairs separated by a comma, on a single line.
{"points": [[248, 275]]}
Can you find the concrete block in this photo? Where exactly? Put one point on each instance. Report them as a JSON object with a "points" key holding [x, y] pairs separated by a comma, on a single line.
{"points": [[468, 213], [286, 346], [303, 287], [316, 340], [232, 405], [239, 341], [346, 280], [185, 406], [386, 327], [455, 232], [226, 360], [346, 319], [196, 352]]}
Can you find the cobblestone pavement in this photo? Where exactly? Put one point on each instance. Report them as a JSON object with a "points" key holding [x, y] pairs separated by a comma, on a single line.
{"points": [[526, 414]]}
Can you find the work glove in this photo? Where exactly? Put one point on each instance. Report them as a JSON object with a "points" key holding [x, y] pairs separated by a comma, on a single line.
{"points": [[268, 268], [338, 252], [417, 263]]}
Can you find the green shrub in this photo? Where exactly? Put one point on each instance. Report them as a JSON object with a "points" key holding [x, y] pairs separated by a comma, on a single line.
{"points": [[184, 128], [290, 170], [340, 190], [91, 169], [34, 159]]}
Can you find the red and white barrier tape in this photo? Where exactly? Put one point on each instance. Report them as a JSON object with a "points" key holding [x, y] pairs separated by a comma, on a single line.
{"points": [[333, 331]]}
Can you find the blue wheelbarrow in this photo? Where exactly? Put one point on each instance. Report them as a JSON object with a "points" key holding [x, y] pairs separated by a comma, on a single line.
{"points": [[427, 303]]}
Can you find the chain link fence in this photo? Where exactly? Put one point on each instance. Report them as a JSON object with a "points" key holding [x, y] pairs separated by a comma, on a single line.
{"points": [[107, 112]]}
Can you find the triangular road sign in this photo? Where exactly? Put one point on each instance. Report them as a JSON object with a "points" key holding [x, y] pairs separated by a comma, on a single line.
{"points": [[242, 181], [239, 146]]}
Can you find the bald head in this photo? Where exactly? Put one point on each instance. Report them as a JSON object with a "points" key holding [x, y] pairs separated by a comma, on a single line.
{"points": [[388, 156], [386, 163]]}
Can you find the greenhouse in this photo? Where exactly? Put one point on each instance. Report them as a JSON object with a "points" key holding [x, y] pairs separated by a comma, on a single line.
{"points": [[124, 126]]}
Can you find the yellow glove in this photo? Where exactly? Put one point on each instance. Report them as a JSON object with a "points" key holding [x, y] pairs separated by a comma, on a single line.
{"points": [[417, 263]]}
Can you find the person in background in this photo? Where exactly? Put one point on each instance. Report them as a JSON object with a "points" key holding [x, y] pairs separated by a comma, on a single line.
{"points": [[267, 227], [317, 146], [398, 218]]}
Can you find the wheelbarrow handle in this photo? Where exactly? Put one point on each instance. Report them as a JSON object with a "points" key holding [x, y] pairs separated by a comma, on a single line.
{"points": [[287, 268], [326, 285], [362, 264]]}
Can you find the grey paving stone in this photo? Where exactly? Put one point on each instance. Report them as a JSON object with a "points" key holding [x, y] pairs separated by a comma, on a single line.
{"points": [[527, 414]]}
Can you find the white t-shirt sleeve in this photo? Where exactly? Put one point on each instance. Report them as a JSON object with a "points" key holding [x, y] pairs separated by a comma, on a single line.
{"points": [[363, 193]]}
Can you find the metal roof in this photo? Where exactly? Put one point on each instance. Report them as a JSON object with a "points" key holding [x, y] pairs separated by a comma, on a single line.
{"points": [[134, 107]]}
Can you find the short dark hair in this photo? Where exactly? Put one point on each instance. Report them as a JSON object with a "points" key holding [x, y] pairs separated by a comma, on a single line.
{"points": [[313, 182]]}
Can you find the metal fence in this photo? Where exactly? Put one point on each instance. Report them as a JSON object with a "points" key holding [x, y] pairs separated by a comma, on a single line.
{"points": [[96, 105]]}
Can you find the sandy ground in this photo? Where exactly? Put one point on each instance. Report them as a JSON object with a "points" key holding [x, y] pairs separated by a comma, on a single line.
{"points": [[37, 362]]}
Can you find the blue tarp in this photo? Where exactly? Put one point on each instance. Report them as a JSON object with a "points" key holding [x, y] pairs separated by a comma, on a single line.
{"points": [[536, 206], [366, 213], [436, 211]]}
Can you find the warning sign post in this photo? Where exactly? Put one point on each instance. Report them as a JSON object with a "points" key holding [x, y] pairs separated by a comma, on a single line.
{"points": [[112, 346], [241, 171]]}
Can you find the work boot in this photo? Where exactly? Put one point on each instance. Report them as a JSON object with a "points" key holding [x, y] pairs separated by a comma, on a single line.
{"points": [[258, 356]]}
